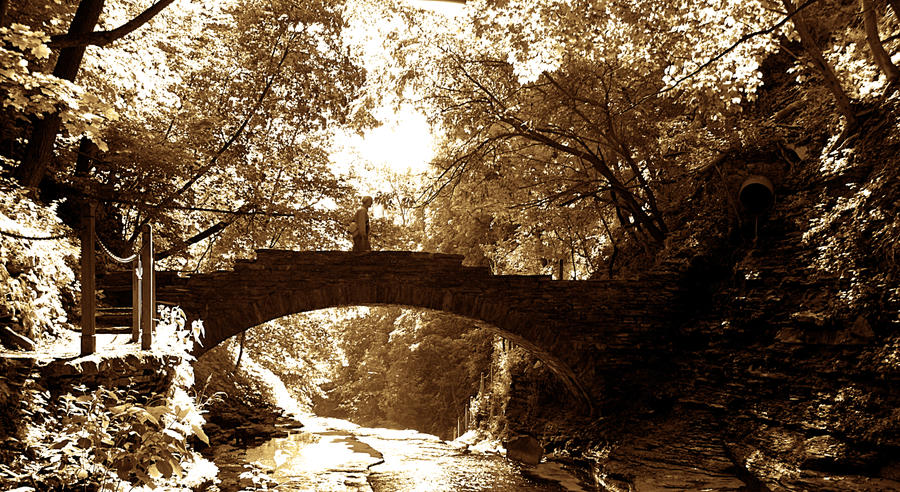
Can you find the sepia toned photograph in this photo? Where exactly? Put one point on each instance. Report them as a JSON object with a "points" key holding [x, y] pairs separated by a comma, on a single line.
{"points": [[450, 245]]}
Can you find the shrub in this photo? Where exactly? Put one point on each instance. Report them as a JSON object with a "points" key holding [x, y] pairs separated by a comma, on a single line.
{"points": [[36, 276]]}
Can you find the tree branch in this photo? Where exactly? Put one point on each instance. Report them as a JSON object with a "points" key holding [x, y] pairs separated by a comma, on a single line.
{"points": [[181, 245], [102, 38], [722, 54], [215, 158], [882, 59]]}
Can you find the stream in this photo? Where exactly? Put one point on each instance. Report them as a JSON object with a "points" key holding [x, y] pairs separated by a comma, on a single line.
{"points": [[336, 455]]}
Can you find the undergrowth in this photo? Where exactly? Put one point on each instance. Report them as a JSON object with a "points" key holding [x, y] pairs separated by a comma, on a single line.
{"points": [[37, 276]]}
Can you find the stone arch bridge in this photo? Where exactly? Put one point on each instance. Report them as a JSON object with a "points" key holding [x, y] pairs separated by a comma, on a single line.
{"points": [[561, 322]]}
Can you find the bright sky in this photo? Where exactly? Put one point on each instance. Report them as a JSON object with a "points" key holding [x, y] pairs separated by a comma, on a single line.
{"points": [[403, 143]]}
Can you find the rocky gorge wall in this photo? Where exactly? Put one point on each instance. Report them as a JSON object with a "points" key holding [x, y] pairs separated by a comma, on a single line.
{"points": [[782, 373]]}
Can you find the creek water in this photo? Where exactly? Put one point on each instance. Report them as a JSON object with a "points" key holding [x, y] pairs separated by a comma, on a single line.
{"points": [[336, 455]]}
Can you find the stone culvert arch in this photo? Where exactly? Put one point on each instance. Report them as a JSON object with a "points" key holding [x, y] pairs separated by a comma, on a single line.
{"points": [[558, 321]]}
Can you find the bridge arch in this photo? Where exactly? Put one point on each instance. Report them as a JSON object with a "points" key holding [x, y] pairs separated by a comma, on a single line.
{"points": [[223, 323], [558, 321]]}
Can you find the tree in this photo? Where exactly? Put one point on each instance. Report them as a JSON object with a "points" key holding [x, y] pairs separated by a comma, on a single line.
{"points": [[26, 90], [554, 119], [263, 103], [406, 369], [815, 53], [225, 114], [556, 108], [237, 111], [882, 59], [570, 136], [40, 145]]}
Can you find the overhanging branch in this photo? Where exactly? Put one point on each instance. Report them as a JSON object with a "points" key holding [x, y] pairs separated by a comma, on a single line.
{"points": [[103, 38]]}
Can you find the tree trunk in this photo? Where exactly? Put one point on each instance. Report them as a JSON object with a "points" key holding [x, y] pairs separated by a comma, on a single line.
{"points": [[882, 59], [610, 269], [43, 135], [237, 362], [650, 196], [815, 53], [623, 198], [4, 9], [87, 154]]}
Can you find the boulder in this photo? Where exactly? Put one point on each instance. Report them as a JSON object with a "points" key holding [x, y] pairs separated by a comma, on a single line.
{"points": [[13, 339], [525, 449]]}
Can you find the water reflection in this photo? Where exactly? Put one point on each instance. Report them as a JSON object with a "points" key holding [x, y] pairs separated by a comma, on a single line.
{"points": [[335, 455], [322, 461]]}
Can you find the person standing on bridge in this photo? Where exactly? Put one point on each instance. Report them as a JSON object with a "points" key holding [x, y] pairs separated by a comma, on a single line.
{"points": [[359, 228]]}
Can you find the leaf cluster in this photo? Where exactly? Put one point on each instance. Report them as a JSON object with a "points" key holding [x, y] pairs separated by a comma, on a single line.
{"points": [[140, 442], [25, 91], [37, 279]]}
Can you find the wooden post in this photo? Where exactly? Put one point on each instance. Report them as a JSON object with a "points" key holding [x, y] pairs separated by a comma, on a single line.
{"points": [[88, 284], [136, 299], [148, 292]]}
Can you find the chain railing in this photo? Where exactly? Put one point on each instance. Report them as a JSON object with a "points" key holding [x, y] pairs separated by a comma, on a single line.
{"points": [[113, 256], [143, 288]]}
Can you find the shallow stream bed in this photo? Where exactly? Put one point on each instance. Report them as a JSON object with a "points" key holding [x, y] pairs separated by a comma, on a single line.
{"points": [[336, 455]]}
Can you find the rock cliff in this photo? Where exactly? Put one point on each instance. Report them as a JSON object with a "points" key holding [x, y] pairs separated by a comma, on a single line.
{"points": [[783, 372]]}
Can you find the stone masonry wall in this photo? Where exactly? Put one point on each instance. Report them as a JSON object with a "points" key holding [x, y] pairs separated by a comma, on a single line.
{"points": [[145, 372]]}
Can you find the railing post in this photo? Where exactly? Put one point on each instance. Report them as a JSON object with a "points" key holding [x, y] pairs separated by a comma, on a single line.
{"points": [[148, 292], [88, 284], [136, 299]]}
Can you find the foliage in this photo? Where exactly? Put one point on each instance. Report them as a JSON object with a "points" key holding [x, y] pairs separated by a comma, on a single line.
{"points": [[401, 224], [539, 145], [488, 408], [301, 349], [37, 282], [574, 126], [172, 335], [140, 443], [853, 231], [408, 369], [27, 92], [104, 436], [215, 375], [239, 129], [226, 112], [666, 40]]}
